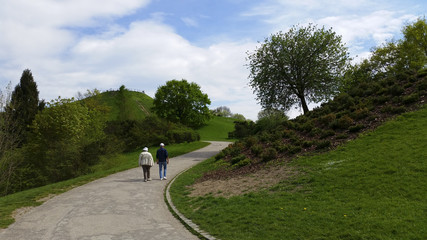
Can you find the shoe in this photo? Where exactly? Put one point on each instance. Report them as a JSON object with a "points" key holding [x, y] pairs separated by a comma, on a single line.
{"points": [[161, 179], [145, 180], [164, 178], [149, 179]]}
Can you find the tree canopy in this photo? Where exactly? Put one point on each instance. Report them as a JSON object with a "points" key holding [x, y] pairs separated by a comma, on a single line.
{"points": [[24, 103], [303, 65], [182, 102]]}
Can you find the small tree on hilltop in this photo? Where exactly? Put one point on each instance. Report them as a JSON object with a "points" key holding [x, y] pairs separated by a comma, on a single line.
{"points": [[304, 65], [183, 102]]}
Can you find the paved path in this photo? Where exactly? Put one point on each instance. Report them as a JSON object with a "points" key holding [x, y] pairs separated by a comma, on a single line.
{"points": [[120, 206]]}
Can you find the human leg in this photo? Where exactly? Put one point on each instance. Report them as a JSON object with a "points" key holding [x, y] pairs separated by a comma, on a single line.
{"points": [[144, 171]]}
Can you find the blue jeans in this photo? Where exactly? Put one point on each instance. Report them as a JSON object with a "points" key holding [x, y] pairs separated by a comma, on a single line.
{"points": [[163, 165]]}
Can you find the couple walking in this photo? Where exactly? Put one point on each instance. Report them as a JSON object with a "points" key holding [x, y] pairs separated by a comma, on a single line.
{"points": [[146, 162]]}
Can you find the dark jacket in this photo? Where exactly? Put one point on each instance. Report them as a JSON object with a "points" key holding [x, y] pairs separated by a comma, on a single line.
{"points": [[162, 154]]}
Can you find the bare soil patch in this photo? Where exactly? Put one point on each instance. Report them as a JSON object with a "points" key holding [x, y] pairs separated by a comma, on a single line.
{"points": [[241, 184]]}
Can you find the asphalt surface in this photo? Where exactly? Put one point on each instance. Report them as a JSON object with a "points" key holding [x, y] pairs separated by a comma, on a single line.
{"points": [[120, 206]]}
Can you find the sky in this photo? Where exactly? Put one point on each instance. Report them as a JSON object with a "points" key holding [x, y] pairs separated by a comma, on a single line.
{"points": [[75, 45]]}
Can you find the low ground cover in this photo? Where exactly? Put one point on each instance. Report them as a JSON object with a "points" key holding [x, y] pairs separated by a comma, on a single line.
{"points": [[370, 188]]}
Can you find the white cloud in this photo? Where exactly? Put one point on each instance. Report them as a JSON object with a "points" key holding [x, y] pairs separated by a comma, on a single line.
{"points": [[190, 22]]}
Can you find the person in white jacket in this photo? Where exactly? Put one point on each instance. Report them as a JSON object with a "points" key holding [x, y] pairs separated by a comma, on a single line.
{"points": [[146, 162]]}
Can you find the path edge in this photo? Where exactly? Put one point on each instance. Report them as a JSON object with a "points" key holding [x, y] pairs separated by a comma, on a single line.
{"points": [[192, 227]]}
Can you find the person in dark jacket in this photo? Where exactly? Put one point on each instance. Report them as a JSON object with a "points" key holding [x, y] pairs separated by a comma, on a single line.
{"points": [[162, 159]]}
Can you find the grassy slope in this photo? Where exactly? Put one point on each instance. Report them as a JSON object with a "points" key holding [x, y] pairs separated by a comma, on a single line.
{"points": [[371, 188], [134, 106], [217, 129]]}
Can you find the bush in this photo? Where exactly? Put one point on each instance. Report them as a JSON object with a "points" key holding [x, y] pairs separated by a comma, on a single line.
{"points": [[294, 149], [360, 113], [250, 141], [327, 119], [356, 128], [342, 123], [269, 154], [396, 90], [323, 144], [256, 149], [237, 159], [393, 110], [411, 98], [327, 133]]}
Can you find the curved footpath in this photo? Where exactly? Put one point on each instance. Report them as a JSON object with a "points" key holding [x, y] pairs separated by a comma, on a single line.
{"points": [[120, 206]]}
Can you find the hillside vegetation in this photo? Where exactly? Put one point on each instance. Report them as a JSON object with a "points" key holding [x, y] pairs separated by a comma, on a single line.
{"points": [[124, 104], [370, 188], [217, 129], [353, 168]]}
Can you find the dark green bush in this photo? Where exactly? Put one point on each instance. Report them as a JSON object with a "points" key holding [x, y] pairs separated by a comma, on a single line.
{"points": [[356, 128], [396, 90], [327, 133], [422, 73], [393, 109], [294, 149], [411, 98], [342, 123], [269, 154], [360, 113], [256, 149], [422, 85], [237, 159], [323, 144], [327, 119], [243, 162], [250, 141]]}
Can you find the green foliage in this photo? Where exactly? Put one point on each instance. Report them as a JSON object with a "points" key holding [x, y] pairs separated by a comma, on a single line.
{"points": [[304, 65], [371, 188], [269, 154], [242, 129], [182, 102], [24, 105], [60, 134]]}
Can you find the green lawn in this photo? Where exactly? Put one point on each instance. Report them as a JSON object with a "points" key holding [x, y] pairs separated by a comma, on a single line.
{"points": [[217, 129], [107, 166], [374, 187]]}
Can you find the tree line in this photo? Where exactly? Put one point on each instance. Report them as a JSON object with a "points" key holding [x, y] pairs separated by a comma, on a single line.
{"points": [[46, 142]]}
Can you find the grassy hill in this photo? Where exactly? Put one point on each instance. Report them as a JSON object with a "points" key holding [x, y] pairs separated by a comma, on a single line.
{"points": [[125, 104], [371, 188], [217, 129]]}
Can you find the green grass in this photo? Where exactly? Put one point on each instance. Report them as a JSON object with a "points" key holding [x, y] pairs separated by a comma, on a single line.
{"points": [[372, 188], [132, 106], [108, 165], [217, 129]]}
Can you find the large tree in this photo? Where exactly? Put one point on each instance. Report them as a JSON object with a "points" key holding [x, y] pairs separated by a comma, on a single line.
{"points": [[303, 65], [24, 103], [182, 102]]}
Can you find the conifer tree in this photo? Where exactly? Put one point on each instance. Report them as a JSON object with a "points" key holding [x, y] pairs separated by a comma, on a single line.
{"points": [[24, 103]]}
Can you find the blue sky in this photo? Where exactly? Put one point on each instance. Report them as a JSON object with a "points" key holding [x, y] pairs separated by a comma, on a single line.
{"points": [[75, 45]]}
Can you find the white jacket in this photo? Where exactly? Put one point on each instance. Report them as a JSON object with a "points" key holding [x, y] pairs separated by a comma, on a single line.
{"points": [[145, 158]]}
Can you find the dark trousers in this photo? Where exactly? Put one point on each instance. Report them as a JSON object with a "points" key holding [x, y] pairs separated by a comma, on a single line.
{"points": [[146, 171]]}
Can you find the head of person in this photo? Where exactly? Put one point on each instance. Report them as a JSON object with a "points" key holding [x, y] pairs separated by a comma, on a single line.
{"points": [[145, 149], [162, 144]]}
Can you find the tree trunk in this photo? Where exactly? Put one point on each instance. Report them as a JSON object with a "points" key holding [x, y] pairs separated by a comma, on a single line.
{"points": [[304, 105]]}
